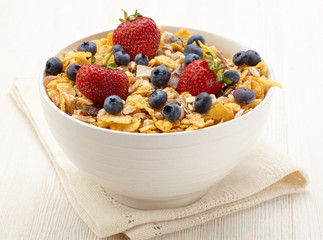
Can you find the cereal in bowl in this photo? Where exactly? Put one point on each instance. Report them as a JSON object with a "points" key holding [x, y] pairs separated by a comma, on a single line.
{"points": [[143, 79]]}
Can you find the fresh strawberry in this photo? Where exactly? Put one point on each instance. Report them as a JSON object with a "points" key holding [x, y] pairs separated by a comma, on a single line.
{"points": [[137, 34], [201, 76], [98, 82]]}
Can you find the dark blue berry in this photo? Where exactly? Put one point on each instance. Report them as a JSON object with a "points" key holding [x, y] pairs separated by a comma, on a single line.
{"points": [[196, 39], [157, 98], [160, 75], [203, 102], [87, 46], [172, 112], [116, 48], [72, 71], [192, 48], [121, 58], [113, 104], [174, 40], [232, 75], [253, 58], [141, 59], [54, 66], [240, 58], [244, 95], [190, 58]]}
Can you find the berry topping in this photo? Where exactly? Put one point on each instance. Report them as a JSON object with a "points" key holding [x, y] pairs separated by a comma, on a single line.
{"points": [[174, 40], [253, 58], [192, 48], [190, 58], [240, 58], [121, 58], [232, 75], [160, 75], [137, 34], [113, 104], [244, 95], [98, 82], [141, 59], [157, 98], [72, 71], [116, 48], [196, 39], [54, 66], [87, 46], [201, 76], [172, 112], [203, 102]]}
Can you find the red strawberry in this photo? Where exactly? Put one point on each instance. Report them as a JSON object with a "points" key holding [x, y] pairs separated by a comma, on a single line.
{"points": [[137, 34], [198, 77], [98, 82]]}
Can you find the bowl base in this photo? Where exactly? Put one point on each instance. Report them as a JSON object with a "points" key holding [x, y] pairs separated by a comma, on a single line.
{"points": [[176, 202]]}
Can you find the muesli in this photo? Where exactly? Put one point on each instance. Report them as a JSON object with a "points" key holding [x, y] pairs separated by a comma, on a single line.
{"points": [[142, 78]]}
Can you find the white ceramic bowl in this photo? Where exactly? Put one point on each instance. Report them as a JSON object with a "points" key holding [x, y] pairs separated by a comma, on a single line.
{"points": [[151, 171]]}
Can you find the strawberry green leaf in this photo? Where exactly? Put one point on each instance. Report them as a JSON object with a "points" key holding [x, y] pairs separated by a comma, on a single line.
{"points": [[227, 80], [215, 67], [112, 65], [125, 14], [219, 76]]}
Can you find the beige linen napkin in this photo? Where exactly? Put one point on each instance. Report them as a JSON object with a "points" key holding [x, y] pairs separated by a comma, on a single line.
{"points": [[265, 174]]}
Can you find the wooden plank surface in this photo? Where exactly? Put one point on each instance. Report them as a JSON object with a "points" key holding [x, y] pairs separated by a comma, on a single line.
{"points": [[33, 204]]}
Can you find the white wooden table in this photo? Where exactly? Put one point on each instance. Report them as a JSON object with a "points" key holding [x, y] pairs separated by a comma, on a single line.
{"points": [[289, 33]]}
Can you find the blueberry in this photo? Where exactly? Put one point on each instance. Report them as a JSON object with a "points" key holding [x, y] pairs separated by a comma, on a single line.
{"points": [[121, 58], [54, 66], [172, 112], [190, 58], [113, 104], [141, 59], [253, 58], [196, 38], [87, 46], [203, 102], [244, 95], [232, 75], [72, 71], [157, 98], [177, 40], [192, 48], [240, 58], [160, 75], [116, 48]]}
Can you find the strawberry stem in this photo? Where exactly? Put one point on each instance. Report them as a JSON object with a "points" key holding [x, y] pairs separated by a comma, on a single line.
{"points": [[108, 58], [131, 17], [93, 59]]}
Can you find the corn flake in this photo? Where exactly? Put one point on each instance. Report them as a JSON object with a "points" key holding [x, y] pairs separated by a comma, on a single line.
{"points": [[140, 103], [167, 61], [109, 39], [196, 119], [184, 35], [109, 118], [177, 47], [130, 127], [164, 125], [147, 129], [220, 111]]}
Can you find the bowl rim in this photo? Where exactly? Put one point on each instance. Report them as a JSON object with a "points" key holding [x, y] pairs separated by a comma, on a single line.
{"points": [[45, 97]]}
